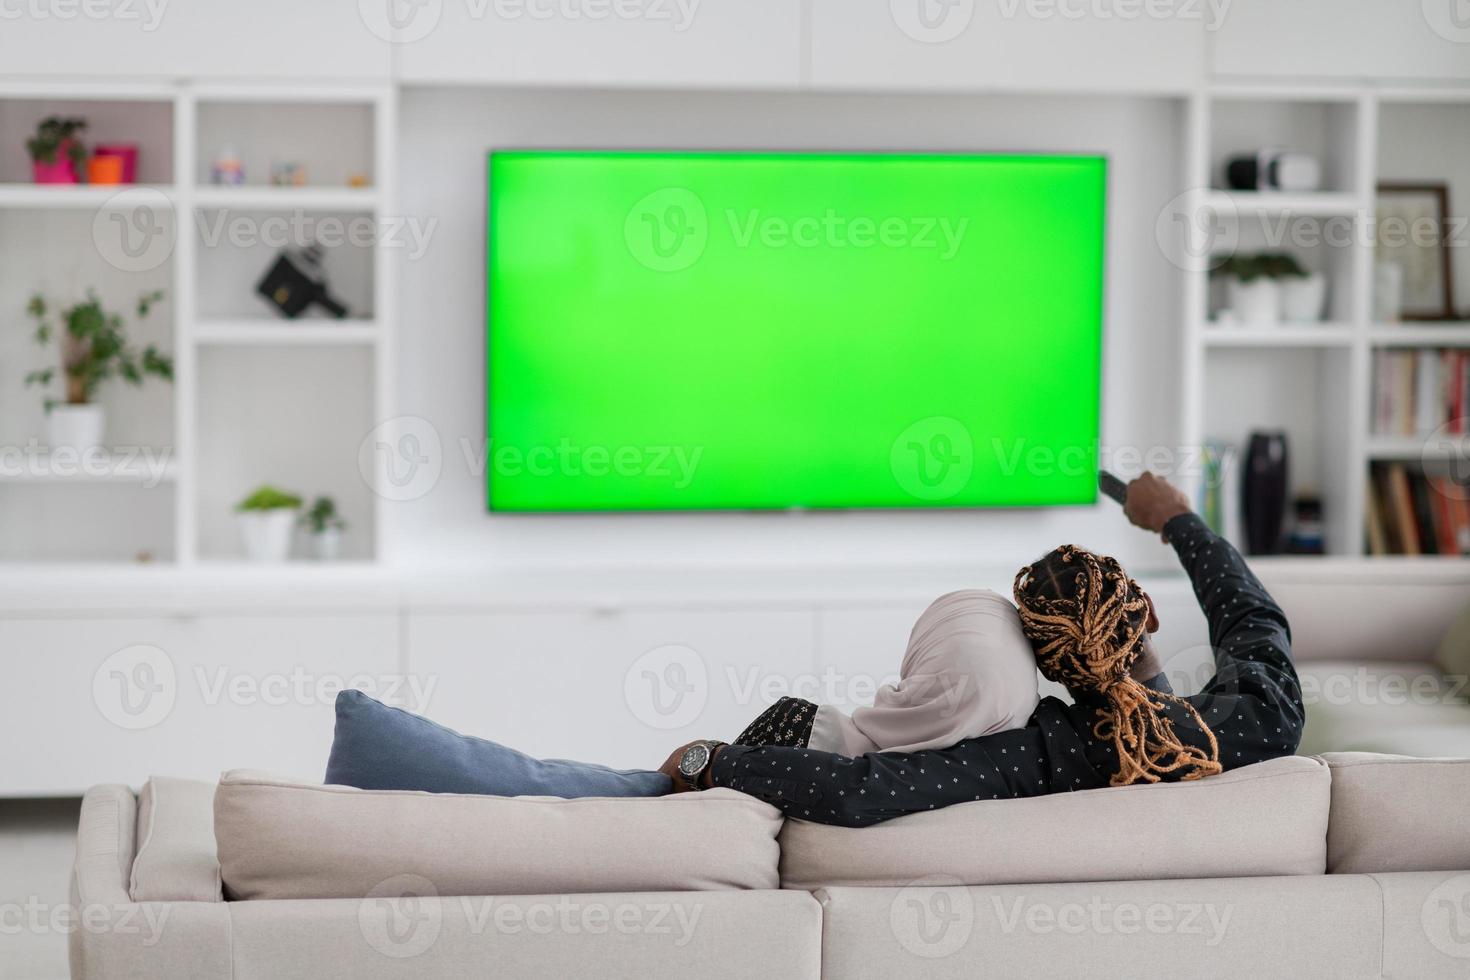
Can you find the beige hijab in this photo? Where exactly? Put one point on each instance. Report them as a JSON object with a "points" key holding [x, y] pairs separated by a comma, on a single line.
{"points": [[968, 671]]}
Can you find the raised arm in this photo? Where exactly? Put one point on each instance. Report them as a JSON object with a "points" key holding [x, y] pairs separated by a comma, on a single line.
{"points": [[1255, 689], [1254, 701]]}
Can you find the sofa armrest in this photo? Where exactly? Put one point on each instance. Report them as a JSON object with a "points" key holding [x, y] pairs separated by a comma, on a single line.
{"points": [[176, 859], [106, 834], [115, 938]]}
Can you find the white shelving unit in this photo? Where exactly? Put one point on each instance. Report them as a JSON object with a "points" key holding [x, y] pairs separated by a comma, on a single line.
{"points": [[223, 402], [1312, 380]]}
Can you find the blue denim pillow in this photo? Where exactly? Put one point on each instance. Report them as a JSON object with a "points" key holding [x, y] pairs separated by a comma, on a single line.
{"points": [[381, 747]]}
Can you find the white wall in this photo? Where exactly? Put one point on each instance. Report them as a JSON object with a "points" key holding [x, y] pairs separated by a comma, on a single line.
{"points": [[445, 135]]}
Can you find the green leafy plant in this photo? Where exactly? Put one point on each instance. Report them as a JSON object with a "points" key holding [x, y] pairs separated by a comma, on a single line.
{"points": [[1265, 265], [94, 347], [1281, 265], [52, 135], [322, 516], [266, 497]]}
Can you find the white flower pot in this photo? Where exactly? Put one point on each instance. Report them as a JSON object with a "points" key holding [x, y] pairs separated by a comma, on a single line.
{"points": [[1256, 302], [78, 427], [1303, 298], [267, 533], [327, 545]]}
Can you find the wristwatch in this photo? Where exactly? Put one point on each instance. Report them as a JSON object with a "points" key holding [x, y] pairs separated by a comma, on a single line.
{"points": [[696, 760]]}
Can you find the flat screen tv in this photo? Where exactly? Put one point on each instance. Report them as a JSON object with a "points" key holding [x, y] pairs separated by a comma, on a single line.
{"points": [[749, 331]]}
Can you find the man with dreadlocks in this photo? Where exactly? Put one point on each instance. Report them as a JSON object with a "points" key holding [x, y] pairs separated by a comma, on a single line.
{"points": [[1089, 625]]}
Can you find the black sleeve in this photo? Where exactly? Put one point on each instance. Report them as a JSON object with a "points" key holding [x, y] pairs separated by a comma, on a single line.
{"points": [[1254, 702], [858, 792]]}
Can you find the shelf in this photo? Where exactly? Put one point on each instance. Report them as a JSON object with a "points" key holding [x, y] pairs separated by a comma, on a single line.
{"points": [[61, 196], [1446, 334], [1418, 447], [39, 466], [1318, 203], [1294, 335], [287, 198], [285, 333]]}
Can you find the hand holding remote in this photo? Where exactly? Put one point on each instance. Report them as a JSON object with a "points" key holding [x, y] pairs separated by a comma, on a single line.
{"points": [[1153, 502]]}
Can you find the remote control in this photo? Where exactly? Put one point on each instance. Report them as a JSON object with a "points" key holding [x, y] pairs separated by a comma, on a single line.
{"points": [[1112, 486]]}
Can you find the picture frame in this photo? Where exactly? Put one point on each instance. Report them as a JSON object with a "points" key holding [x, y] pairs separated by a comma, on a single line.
{"points": [[1412, 231]]}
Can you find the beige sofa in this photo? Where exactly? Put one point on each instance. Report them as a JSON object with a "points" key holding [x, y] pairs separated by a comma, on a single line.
{"points": [[1350, 865], [1398, 684]]}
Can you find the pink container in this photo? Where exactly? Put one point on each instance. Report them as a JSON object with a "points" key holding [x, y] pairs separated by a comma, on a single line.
{"points": [[60, 172], [129, 154]]}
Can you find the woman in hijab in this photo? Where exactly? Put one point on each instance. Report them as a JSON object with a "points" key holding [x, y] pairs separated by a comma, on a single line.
{"points": [[968, 671]]}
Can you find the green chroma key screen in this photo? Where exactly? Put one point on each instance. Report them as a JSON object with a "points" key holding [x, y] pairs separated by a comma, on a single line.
{"points": [[715, 331]]}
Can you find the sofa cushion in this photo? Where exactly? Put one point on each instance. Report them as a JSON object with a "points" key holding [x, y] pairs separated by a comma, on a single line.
{"points": [[1315, 926], [1395, 813], [1265, 819], [176, 859], [282, 839]]}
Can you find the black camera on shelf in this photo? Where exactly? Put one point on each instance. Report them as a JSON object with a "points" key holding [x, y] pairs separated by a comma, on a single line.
{"points": [[295, 282]]}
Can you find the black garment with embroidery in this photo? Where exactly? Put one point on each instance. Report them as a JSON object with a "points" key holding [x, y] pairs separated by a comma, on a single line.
{"points": [[788, 722], [1253, 705]]}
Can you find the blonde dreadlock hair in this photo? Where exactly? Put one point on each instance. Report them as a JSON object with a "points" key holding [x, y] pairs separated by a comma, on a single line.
{"points": [[1086, 620]]}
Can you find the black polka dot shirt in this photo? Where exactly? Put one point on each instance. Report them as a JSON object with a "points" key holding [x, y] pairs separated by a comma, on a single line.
{"points": [[1253, 705]]}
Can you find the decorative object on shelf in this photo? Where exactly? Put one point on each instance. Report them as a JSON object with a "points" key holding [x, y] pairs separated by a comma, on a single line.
{"points": [[105, 170], [1263, 492], [57, 155], [127, 153], [295, 281], [1303, 296], [94, 349], [267, 518], [1273, 169], [1412, 231], [1306, 537], [1217, 504], [288, 174], [1388, 292], [227, 169], [359, 180], [326, 527], [1257, 287]]}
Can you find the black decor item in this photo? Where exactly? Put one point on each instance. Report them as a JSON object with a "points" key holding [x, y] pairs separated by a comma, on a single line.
{"points": [[1263, 492], [295, 281]]}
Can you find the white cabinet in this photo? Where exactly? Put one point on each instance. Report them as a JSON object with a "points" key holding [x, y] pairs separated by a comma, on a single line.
{"points": [[620, 688], [739, 43], [1041, 45], [1374, 39], [198, 38], [114, 700]]}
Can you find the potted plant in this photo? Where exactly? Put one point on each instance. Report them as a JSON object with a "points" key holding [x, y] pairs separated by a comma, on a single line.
{"points": [[326, 526], [94, 349], [57, 155], [1253, 283], [267, 517], [1303, 293]]}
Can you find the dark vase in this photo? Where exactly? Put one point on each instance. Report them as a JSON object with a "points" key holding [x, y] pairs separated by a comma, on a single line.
{"points": [[1263, 492]]}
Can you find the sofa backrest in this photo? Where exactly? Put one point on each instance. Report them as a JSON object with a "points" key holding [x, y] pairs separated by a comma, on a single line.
{"points": [[1265, 819], [1396, 813], [282, 839], [1338, 614]]}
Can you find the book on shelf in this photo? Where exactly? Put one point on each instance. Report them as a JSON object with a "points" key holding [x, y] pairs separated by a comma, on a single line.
{"points": [[1409, 512], [1419, 392]]}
